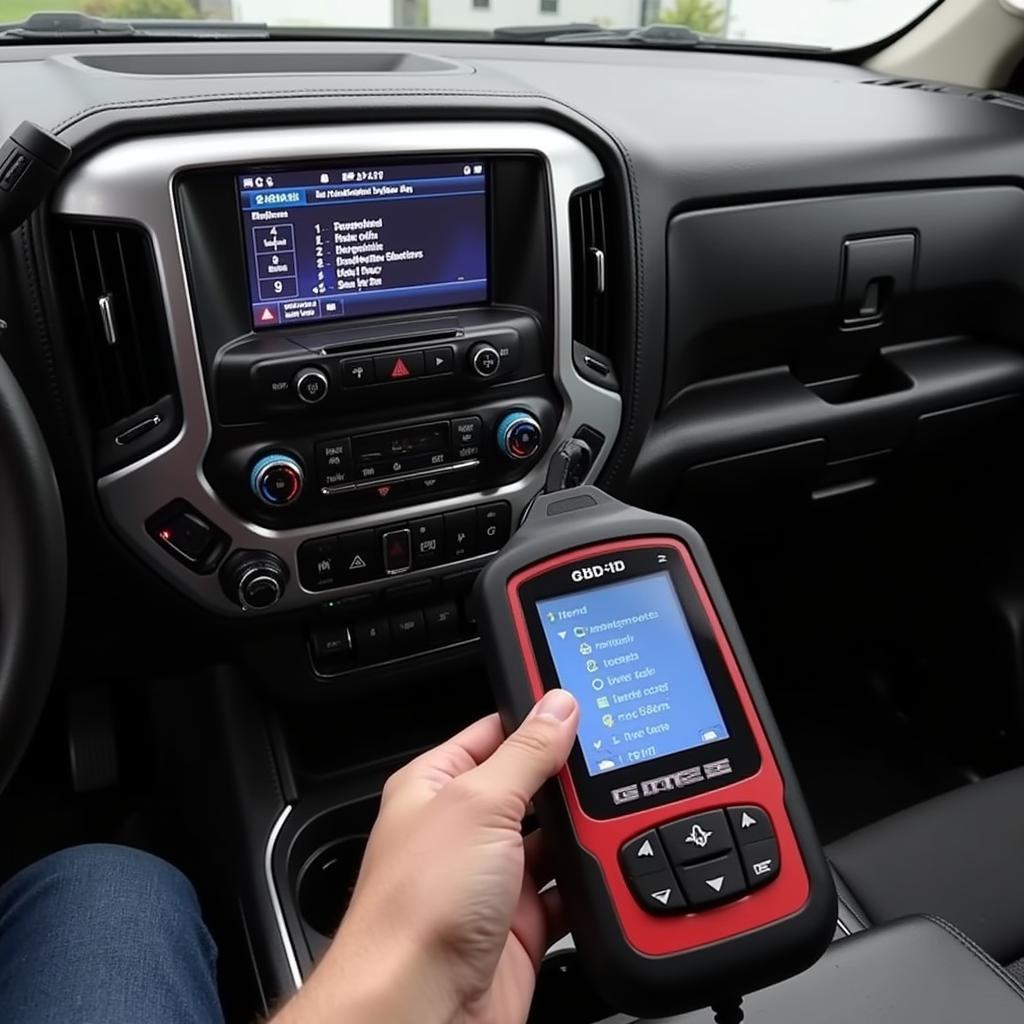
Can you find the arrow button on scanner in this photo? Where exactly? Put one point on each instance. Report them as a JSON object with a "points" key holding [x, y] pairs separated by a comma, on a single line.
{"points": [[660, 893], [750, 824], [713, 881], [643, 855]]}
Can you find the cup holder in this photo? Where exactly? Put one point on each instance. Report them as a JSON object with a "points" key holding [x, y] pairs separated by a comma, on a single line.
{"points": [[323, 864], [326, 882]]}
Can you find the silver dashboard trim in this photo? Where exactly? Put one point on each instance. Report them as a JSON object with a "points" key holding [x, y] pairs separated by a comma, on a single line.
{"points": [[134, 181], [275, 899]]}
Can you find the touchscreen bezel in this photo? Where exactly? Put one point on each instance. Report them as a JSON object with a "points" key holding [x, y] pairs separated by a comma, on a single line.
{"points": [[328, 164], [595, 792]]}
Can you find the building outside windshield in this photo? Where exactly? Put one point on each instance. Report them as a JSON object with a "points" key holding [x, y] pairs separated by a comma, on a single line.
{"points": [[838, 24]]}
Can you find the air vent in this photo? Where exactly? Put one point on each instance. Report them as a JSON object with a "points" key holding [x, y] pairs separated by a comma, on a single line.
{"points": [[589, 270], [117, 331]]}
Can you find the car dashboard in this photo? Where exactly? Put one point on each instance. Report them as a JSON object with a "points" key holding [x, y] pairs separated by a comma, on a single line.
{"points": [[288, 436]]}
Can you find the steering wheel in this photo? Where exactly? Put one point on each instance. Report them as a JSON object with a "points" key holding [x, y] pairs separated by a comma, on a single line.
{"points": [[33, 573]]}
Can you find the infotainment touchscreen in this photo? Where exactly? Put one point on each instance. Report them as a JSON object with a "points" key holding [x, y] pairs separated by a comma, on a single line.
{"points": [[327, 243], [627, 654]]}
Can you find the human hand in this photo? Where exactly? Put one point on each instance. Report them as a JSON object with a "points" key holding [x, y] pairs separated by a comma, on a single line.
{"points": [[446, 922]]}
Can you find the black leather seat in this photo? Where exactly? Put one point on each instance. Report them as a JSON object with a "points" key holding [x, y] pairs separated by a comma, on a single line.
{"points": [[959, 857]]}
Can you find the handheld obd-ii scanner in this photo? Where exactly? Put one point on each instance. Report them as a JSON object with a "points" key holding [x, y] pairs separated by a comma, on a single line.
{"points": [[686, 858]]}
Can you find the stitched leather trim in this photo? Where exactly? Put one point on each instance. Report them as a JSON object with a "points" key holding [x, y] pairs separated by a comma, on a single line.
{"points": [[979, 954]]}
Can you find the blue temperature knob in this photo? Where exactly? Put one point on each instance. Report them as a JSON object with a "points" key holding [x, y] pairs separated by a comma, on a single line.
{"points": [[519, 435], [276, 480]]}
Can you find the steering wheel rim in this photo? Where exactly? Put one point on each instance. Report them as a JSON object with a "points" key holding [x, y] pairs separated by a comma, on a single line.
{"points": [[33, 573]]}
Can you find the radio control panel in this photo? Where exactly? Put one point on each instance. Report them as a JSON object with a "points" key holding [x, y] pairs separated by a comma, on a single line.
{"points": [[334, 371]]}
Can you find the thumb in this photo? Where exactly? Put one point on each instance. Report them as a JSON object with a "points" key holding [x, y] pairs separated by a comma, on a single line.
{"points": [[534, 752]]}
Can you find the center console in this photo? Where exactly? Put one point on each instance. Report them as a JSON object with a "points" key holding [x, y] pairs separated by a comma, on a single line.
{"points": [[371, 335]]}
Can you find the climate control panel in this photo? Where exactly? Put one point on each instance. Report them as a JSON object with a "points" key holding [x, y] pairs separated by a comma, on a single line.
{"points": [[425, 451], [306, 477]]}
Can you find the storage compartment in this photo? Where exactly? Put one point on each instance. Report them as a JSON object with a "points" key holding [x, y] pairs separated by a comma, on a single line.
{"points": [[880, 377], [755, 449], [819, 349], [821, 286]]}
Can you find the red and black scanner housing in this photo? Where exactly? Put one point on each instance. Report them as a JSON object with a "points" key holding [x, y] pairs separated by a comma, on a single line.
{"points": [[642, 961]]}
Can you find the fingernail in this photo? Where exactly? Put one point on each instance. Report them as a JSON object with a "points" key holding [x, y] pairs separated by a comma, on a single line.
{"points": [[556, 704]]}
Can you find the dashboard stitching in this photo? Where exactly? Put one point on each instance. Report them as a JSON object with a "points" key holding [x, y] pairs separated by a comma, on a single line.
{"points": [[286, 94]]}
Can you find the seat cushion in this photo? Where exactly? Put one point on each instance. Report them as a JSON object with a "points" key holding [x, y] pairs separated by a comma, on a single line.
{"points": [[917, 971], [959, 856]]}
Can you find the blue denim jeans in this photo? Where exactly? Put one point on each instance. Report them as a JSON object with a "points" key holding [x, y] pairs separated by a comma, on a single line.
{"points": [[104, 935]]}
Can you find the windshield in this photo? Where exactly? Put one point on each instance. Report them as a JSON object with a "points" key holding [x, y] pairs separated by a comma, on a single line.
{"points": [[838, 24]]}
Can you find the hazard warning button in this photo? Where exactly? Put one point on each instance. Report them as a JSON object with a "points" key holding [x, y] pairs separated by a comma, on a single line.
{"points": [[403, 366], [358, 557]]}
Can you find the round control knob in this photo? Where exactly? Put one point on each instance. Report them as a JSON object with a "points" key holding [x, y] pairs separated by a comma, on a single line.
{"points": [[484, 359], [254, 579], [311, 385], [519, 435], [276, 480]]}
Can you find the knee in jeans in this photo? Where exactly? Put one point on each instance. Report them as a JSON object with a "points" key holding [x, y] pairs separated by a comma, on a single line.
{"points": [[121, 873], [118, 894]]}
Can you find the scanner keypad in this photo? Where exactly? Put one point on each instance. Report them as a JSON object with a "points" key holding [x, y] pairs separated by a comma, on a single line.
{"points": [[701, 860]]}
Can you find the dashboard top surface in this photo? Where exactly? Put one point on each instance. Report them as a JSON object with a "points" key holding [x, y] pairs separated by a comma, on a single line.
{"points": [[727, 114]]}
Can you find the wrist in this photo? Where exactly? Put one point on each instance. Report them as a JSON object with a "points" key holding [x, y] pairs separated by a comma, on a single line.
{"points": [[370, 975]]}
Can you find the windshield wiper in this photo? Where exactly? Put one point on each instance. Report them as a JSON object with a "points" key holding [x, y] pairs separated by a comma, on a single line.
{"points": [[667, 37], [65, 26]]}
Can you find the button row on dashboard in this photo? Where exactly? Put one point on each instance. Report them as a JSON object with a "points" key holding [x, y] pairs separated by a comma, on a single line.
{"points": [[362, 555], [370, 369], [701, 860], [378, 638]]}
